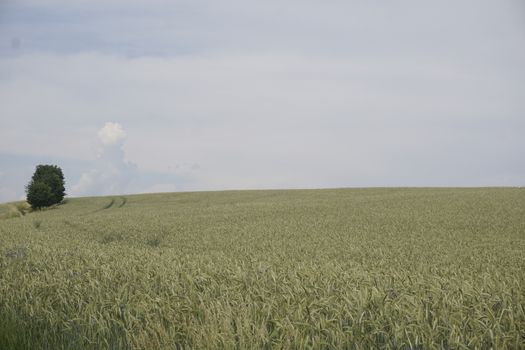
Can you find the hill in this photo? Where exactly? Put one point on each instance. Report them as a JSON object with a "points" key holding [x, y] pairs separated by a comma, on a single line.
{"points": [[354, 268]]}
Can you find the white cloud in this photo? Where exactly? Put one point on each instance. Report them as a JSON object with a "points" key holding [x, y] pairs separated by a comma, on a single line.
{"points": [[84, 184], [111, 134], [112, 173]]}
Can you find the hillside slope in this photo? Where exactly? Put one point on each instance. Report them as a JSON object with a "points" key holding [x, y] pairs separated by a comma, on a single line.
{"points": [[392, 268]]}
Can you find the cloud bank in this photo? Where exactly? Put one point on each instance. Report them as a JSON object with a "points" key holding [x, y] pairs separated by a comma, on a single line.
{"points": [[265, 94]]}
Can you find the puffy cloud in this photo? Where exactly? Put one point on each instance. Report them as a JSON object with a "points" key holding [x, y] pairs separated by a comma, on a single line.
{"points": [[111, 133], [112, 173]]}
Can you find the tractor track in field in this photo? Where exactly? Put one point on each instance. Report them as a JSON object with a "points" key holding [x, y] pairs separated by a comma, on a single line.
{"points": [[124, 201], [106, 206], [109, 205]]}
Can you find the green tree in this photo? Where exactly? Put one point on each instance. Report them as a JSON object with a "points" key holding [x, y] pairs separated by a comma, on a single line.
{"points": [[53, 178], [39, 195]]}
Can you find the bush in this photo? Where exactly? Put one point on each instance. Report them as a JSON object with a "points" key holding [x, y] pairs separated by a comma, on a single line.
{"points": [[46, 186]]}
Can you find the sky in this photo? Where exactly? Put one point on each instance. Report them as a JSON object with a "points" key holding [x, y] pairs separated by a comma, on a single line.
{"points": [[159, 96]]}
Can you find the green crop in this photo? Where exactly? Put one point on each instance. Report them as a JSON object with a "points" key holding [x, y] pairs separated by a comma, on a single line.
{"points": [[298, 269]]}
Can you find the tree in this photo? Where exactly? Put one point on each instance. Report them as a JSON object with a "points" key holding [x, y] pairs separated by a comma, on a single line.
{"points": [[46, 186], [39, 195]]}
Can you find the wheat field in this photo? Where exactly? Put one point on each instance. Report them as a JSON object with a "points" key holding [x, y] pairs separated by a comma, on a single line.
{"points": [[285, 269]]}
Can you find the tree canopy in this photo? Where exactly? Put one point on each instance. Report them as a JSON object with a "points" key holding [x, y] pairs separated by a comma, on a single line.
{"points": [[46, 186]]}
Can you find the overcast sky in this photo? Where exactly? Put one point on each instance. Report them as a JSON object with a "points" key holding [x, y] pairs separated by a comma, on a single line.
{"points": [[141, 96]]}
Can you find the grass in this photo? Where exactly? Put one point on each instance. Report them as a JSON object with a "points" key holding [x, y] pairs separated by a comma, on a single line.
{"points": [[321, 269], [14, 210]]}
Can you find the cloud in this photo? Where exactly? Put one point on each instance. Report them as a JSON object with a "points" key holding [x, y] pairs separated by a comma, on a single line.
{"points": [[160, 188], [112, 173], [111, 134], [94, 177], [85, 183], [267, 94], [270, 120], [167, 28], [8, 194]]}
